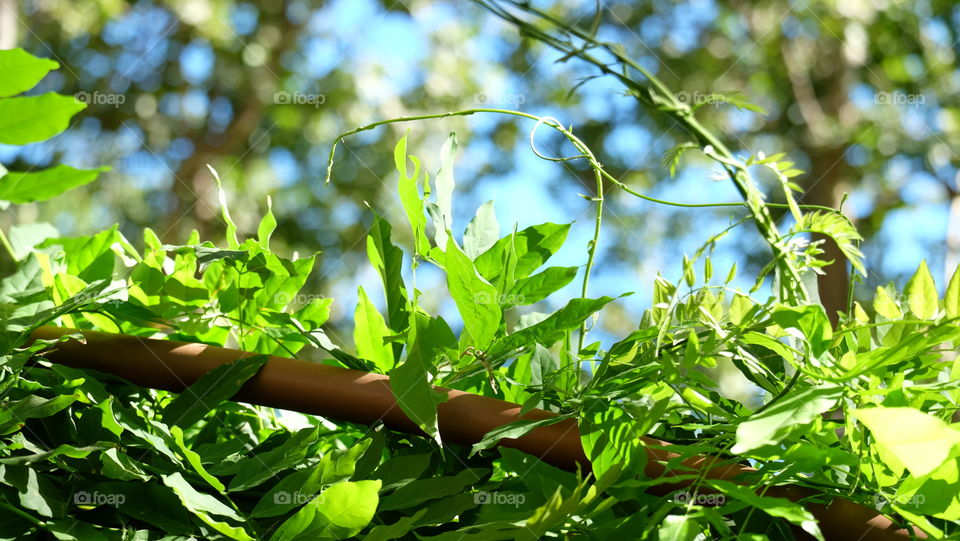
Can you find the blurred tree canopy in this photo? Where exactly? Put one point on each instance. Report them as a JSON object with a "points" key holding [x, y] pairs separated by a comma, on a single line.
{"points": [[861, 94]]}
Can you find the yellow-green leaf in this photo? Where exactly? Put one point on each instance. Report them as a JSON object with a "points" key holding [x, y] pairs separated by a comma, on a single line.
{"points": [[951, 300], [922, 293], [920, 441], [18, 187], [369, 331], [30, 119], [885, 305], [22, 71]]}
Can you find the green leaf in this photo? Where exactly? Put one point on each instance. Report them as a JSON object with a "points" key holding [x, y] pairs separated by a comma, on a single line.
{"points": [[22, 71], [482, 232], [775, 423], [410, 383], [811, 320], [442, 212], [30, 119], [423, 490], [303, 485], [231, 234], [680, 528], [533, 246], [34, 490], [836, 226], [204, 505], [253, 470], [292, 491], [775, 507], [476, 299], [339, 512], [369, 331], [117, 465], [267, 226], [885, 305], [732, 274], [931, 494], [19, 187], [24, 237], [918, 440], [689, 273], [951, 300], [152, 503], [410, 198], [671, 159], [551, 329], [194, 459], [512, 430], [922, 293], [70, 529], [610, 437], [541, 285], [388, 260], [386, 532], [211, 389], [13, 415]]}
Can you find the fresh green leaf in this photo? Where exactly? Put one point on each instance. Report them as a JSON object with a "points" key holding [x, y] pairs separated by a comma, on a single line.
{"points": [[918, 440], [539, 286], [45, 184], [951, 300], [443, 211], [369, 332], [551, 329], [268, 224], [922, 293], [30, 119], [777, 421], [482, 232], [211, 389], [341, 511], [476, 299], [512, 430], [532, 247], [22, 71], [410, 381], [204, 505]]}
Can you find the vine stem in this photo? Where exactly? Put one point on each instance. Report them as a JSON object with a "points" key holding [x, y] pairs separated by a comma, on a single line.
{"points": [[6, 244], [657, 96]]}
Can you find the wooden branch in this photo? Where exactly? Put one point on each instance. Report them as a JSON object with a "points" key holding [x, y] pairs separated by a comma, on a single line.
{"points": [[360, 397]]}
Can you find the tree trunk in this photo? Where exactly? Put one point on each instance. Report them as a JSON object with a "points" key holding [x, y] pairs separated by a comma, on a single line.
{"points": [[824, 142], [8, 24], [826, 175]]}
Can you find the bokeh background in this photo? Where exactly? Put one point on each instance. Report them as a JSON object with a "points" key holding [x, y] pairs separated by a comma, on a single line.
{"points": [[862, 94]]}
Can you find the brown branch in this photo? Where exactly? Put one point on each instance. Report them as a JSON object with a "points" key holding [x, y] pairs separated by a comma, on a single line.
{"points": [[360, 397]]}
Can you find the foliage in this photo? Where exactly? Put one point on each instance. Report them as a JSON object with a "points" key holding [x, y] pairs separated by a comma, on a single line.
{"points": [[862, 411], [29, 119]]}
